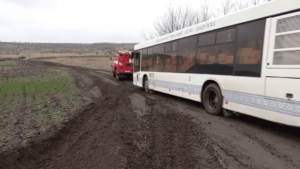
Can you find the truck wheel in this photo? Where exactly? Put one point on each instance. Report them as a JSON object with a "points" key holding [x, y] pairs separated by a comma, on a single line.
{"points": [[114, 73], [117, 75], [212, 99]]}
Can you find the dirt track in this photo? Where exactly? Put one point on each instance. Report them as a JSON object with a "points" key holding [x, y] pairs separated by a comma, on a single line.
{"points": [[127, 128]]}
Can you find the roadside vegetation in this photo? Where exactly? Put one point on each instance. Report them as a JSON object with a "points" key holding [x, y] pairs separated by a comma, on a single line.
{"points": [[7, 64], [31, 105]]}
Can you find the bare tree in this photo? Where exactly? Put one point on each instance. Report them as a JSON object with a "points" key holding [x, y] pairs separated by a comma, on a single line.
{"points": [[217, 14], [255, 2], [227, 6], [148, 36], [205, 12], [178, 18], [240, 4]]}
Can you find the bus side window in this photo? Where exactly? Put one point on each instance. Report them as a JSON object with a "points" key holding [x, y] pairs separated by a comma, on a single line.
{"points": [[170, 57], [158, 52], [137, 57], [147, 59], [249, 49], [214, 58], [187, 54]]}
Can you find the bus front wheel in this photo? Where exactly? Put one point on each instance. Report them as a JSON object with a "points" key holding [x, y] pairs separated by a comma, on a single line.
{"points": [[212, 99], [146, 85]]}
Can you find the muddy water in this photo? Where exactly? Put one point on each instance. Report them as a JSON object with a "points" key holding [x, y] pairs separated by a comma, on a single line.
{"points": [[126, 128]]}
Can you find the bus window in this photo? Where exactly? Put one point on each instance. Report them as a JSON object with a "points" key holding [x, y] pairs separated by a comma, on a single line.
{"points": [[186, 62], [145, 51], [170, 62], [217, 59], [207, 39], [158, 52], [249, 53], [147, 60], [226, 36], [226, 54], [174, 46], [168, 47], [186, 54], [137, 57]]}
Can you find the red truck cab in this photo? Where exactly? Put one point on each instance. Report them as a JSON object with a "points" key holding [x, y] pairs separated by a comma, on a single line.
{"points": [[122, 66]]}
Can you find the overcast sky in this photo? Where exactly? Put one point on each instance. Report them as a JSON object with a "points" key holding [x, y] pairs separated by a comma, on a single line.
{"points": [[82, 21]]}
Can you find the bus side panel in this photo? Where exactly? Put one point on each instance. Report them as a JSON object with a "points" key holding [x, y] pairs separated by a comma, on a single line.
{"points": [[137, 79], [266, 114]]}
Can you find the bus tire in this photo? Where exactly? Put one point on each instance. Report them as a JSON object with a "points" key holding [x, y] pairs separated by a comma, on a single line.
{"points": [[146, 85], [212, 99]]}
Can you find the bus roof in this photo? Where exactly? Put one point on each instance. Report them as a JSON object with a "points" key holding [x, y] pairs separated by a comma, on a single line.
{"points": [[264, 10]]}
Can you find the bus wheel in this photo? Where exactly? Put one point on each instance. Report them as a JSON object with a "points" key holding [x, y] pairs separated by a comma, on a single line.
{"points": [[212, 99], [146, 85]]}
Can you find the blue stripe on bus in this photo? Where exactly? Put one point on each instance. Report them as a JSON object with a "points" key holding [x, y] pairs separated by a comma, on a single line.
{"points": [[280, 105], [275, 104], [188, 88]]}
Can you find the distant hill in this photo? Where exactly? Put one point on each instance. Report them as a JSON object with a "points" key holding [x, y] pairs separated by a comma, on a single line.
{"points": [[13, 48]]}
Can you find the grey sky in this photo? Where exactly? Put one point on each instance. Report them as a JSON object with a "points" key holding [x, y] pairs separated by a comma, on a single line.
{"points": [[82, 21]]}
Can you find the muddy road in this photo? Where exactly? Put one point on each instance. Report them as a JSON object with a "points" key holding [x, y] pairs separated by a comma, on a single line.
{"points": [[127, 128]]}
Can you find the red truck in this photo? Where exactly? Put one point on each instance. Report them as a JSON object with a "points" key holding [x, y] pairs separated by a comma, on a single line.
{"points": [[122, 66]]}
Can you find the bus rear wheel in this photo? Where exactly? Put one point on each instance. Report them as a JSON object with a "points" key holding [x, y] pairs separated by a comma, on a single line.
{"points": [[212, 99]]}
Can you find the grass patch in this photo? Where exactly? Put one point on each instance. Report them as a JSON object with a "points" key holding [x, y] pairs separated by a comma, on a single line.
{"points": [[8, 63], [43, 58], [48, 98]]}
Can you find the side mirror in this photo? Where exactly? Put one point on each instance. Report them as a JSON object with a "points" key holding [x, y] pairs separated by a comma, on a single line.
{"points": [[132, 54]]}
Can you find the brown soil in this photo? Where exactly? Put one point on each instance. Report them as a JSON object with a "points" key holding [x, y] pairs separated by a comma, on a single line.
{"points": [[123, 127]]}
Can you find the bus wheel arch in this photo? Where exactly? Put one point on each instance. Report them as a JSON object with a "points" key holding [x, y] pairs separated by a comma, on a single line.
{"points": [[144, 77], [212, 97]]}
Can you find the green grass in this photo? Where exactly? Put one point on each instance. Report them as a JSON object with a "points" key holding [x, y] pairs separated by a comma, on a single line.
{"points": [[8, 63], [16, 87], [52, 57], [44, 58], [48, 98]]}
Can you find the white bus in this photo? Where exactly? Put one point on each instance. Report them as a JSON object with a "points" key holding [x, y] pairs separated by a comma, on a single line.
{"points": [[246, 62]]}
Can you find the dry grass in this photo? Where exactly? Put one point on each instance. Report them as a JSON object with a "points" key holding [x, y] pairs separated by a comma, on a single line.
{"points": [[93, 63]]}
